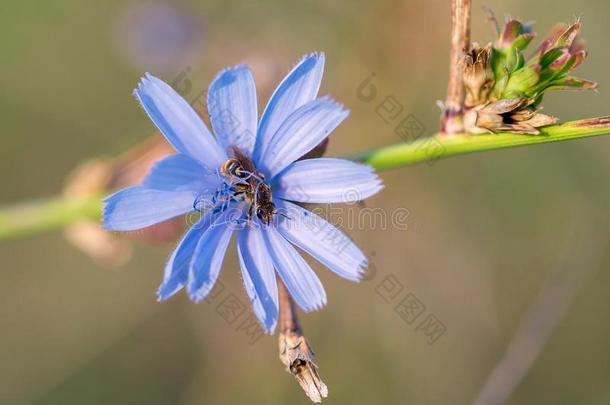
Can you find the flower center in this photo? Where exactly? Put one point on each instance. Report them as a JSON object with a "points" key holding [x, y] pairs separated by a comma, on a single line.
{"points": [[242, 182]]}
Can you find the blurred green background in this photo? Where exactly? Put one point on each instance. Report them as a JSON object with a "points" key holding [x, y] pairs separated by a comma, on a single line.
{"points": [[484, 231]]}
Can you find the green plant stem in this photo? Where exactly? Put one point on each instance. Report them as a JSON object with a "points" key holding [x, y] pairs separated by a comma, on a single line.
{"points": [[30, 218], [33, 217], [443, 146]]}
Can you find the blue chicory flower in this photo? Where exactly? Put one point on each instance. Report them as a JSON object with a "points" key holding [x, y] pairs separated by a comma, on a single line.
{"points": [[247, 180]]}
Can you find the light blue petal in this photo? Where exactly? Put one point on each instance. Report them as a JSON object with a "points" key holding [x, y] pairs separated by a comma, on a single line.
{"points": [[299, 87], [300, 280], [139, 207], [177, 120], [259, 276], [326, 180], [232, 108], [300, 133], [181, 172], [322, 240], [177, 267], [208, 256]]}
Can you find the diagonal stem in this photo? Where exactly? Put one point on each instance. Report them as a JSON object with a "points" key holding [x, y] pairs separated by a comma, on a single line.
{"points": [[440, 147], [584, 255]]}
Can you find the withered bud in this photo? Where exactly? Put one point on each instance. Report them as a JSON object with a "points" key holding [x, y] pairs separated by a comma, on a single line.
{"points": [[478, 76], [90, 178], [297, 356], [515, 115]]}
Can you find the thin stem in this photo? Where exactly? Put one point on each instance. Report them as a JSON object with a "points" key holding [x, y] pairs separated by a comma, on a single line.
{"points": [[289, 319], [451, 121]]}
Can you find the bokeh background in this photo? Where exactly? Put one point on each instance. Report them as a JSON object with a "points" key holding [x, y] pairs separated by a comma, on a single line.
{"points": [[486, 233]]}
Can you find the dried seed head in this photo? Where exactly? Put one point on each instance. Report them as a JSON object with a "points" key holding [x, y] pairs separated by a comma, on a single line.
{"points": [[515, 115], [297, 355], [477, 76]]}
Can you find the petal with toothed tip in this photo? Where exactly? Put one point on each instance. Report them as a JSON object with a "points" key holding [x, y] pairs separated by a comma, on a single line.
{"points": [[177, 267], [322, 240], [258, 275], [299, 87], [178, 122]]}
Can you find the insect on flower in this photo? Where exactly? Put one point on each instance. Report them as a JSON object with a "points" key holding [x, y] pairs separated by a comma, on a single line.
{"points": [[246, 180]]}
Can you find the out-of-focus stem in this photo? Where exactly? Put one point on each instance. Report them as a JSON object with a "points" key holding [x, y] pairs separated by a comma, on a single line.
{"points": [[451, 120], [295, 351], [38, 216], [584, 255]]}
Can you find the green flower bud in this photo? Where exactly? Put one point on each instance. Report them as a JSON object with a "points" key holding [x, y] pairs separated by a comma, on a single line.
{"points": [[521, 82], [515, 35]]}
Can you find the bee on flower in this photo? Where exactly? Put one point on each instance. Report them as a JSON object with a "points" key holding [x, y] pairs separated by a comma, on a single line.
{"points": [[247, 179]]}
